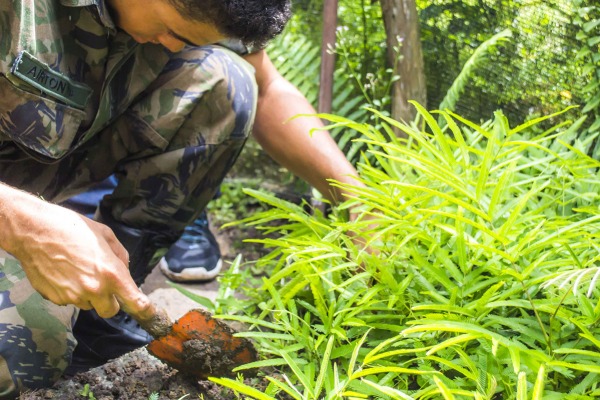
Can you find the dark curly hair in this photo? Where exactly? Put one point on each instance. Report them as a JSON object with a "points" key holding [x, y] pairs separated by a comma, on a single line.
{"points": [[254, 22]]}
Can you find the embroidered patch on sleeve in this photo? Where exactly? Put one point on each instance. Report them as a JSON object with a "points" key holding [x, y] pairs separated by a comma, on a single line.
{"points": [[50, 82]]}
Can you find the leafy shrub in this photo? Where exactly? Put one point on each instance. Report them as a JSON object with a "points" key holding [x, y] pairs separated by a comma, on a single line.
{"points": [[448, 284], [588, 20]]}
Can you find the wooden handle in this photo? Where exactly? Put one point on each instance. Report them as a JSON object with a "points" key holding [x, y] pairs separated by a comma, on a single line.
{"points": [[158, 325]]}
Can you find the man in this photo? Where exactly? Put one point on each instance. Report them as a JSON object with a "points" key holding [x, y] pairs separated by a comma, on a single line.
{"points": [[152, 102]]}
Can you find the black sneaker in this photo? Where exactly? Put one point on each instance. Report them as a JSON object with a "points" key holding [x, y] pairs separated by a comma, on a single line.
{"points": [[195, 256]]}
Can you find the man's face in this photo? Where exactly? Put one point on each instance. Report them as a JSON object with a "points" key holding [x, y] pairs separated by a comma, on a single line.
{"points": [[157, 21]]}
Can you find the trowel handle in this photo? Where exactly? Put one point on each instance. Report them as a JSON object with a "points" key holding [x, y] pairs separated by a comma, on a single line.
{"points": [[157, 325]]}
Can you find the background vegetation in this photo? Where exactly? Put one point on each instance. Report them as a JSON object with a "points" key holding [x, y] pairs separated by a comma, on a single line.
{"points": [[548, 65]]}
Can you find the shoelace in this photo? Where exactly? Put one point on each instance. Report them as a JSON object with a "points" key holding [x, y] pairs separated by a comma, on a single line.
{"points": [[196, 231]]}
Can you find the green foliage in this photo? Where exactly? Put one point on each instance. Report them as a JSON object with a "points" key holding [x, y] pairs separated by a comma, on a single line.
{"points": [[233, 203], [546, 67], [537, 73], [436, 289], [361, 27], [234, 280], [298, 60], [87, 393]]}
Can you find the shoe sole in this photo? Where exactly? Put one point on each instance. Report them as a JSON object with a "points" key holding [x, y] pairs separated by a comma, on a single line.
{"points": [[198, 274]]}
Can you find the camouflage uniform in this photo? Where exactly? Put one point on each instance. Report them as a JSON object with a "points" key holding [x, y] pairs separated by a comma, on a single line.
{"points": [[79, 101]]}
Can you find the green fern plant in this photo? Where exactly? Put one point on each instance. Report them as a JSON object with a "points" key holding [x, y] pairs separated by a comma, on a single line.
{"points": [[298, 60], [436, 289]]}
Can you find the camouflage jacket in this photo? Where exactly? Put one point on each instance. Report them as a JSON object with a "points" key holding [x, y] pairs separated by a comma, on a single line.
{"points": [[53, 63], [61, 60]]}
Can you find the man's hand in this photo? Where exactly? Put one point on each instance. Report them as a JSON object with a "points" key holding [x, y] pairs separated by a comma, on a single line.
{"points": [[68, 258]]}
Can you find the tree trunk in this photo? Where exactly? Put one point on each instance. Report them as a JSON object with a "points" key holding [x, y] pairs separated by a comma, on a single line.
{"points": [[330, 8], [401, 21]]}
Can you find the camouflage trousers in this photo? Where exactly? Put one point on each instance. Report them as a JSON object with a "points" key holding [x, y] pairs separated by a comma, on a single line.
{"points": [[35, 335], [170, 148]]}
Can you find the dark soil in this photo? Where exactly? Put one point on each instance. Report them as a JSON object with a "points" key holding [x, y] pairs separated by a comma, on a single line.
{"points": [[134, 376]]}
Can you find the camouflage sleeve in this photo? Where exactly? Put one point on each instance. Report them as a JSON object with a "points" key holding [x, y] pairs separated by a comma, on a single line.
{"points": [[36, 339]]}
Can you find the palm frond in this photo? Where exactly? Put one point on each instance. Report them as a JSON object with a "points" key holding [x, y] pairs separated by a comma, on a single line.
{"points": [[298, 61]]}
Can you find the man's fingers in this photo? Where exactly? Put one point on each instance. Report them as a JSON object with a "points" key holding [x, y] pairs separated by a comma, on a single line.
{"points": [[52, 295], [120, 251], [107, 307], [134, 302], [117, 248], [110, 238]]}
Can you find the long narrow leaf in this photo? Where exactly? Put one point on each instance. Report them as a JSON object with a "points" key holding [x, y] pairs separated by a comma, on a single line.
{"points": [[241, 388], [538, 387], [298, 373], [395, 394], [324, 368], [444, 390]]}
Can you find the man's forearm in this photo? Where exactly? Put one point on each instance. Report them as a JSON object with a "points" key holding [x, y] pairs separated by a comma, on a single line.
{"points": [[13, 203], [315, 158]]}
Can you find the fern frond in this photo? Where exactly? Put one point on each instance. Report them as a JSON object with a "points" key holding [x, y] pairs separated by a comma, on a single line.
{"points": [[476, 59], [298, 61]]}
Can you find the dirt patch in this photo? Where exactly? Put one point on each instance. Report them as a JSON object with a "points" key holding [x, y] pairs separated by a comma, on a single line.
{"points": [[134, 376], [137, 376]]}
